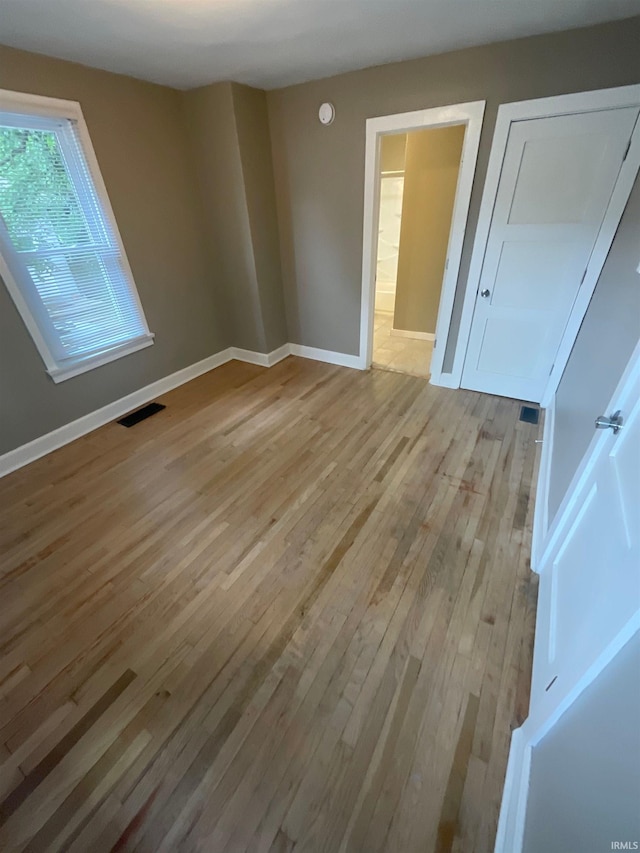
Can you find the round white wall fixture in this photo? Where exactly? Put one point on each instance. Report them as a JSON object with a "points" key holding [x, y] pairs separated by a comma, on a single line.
{"points": [[326, 113]]}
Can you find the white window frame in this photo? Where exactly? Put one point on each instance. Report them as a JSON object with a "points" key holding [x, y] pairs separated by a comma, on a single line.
{"points": [[41, 106]]}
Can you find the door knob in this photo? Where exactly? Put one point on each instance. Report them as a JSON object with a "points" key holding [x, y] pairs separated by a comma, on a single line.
{"points": [[484, 293], [613, 422]]}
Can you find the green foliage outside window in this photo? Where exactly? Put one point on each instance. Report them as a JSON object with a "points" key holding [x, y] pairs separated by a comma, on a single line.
{"points": [[37, 199]]}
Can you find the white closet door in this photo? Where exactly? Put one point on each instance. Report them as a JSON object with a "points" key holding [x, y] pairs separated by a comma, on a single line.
{"points": [[557, 179]]}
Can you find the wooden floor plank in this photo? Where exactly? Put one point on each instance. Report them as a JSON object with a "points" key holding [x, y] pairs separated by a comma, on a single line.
{"points": [[291, 612]]}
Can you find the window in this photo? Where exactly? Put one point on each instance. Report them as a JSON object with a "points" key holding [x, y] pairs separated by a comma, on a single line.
{"points": [[61, 255]]}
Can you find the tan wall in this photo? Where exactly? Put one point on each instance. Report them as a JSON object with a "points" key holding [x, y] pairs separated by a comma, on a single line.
{"points": [[392, 152], [432, 164], [228, 133], [214, 151], [254, 142], [194, 291], [138, 134], [320, 170], [590, 378], [190, 179]]}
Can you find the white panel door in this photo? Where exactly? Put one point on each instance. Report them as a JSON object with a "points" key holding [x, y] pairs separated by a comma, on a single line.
{"points": [[590, 583], [589, 594], [557, 179]]}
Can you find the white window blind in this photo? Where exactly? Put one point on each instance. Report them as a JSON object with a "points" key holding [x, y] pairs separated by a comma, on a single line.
{"points": [[61, 247]]}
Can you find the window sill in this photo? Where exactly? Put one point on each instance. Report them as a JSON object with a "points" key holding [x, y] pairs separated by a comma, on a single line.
{"points": [[72, 368]]}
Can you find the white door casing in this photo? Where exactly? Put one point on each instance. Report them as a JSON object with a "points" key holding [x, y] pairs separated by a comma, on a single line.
{"points": [[589, 596], [508, 114], [469, 114], [556, 184]]}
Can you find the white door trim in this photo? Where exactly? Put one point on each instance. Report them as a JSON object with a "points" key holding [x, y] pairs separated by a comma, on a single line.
{"points": [[541, 507], [601, 99], [469, 114]]}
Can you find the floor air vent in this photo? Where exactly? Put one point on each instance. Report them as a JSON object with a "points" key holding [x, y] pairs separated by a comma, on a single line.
{"points": [[140, 414], [529, 415]]}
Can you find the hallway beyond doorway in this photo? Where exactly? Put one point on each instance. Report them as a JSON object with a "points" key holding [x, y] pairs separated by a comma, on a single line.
{"points": [[391, 156], [404, 355]]}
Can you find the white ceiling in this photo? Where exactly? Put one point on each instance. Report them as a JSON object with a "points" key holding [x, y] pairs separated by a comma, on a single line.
{"points": [[272, 43]]}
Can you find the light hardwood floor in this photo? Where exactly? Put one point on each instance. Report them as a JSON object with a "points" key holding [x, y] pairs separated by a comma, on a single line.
{"points": [[291, 612]]}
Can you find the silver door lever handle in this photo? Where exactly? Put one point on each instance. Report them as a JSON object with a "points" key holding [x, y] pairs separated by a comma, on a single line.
{"points": [[613, 422]]}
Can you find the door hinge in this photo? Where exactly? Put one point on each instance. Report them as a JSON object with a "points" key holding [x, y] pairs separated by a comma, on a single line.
{"points": [[584, 275], [435, 341], [552, 366], [627, 149], [446, 264]]}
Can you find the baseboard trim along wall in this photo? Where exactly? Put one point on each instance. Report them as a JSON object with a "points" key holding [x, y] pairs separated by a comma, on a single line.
{"points": [[45, 444], [69, 432], [341, 358], [416, 336], [516, 784], [260, 358], [541, 510]]}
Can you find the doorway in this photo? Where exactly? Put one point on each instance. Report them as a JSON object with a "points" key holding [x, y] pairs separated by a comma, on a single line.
{"points": [[418, 178]]}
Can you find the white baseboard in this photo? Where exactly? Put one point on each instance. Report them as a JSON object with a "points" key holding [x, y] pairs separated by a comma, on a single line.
{"points": [[541, 509], [39, 447], [279, 354], [416, 336], [340, 358], [260, 358], [69, 432], [509, 838]]}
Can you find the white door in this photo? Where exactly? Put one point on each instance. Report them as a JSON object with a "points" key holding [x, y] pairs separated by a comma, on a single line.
{"points": [[557, 178], [590, 582], [589, 594]]}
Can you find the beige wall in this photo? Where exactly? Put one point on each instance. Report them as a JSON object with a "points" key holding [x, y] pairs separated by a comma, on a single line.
{"points": [[190, 179], [392, 152], [607, 337], [320, 170], [254, 142], [138, 134], [190, 182], [230, 147], [215, 154], [584, 781], [432, 163]]}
